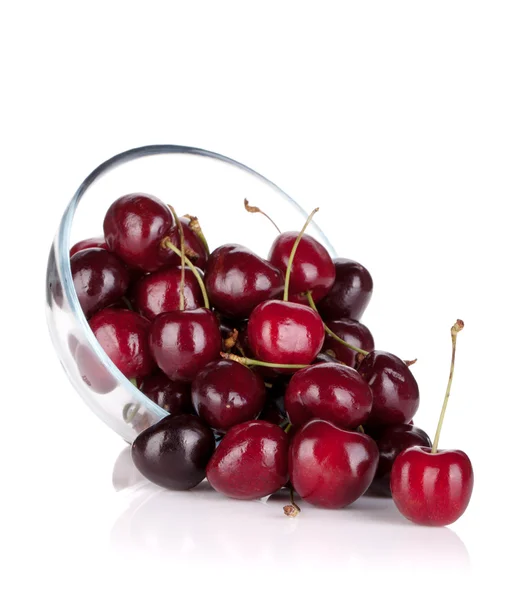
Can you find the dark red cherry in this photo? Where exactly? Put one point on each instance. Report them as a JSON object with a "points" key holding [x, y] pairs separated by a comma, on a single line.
{"points": [[173, 396], [250, 462], [183, 342], [391, 441], [274, 408], [395, 390], [312, 271], [123, 335], [174, 453], [194, 248], [134, 227], [94, 242], [285, 332], [350, 294], [354, 333], [327, 358], [158, 292], [99, 277], [226, 393], [238, 280], [330, 467], [330, 392]]}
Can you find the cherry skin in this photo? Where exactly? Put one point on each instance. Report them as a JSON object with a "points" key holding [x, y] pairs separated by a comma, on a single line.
{"points": [[330, 467], [93, 373], [391, 441], [250, 462], [226, 393], [330, 392], [174, 452], [350, 294], [312, 270], [285, 332], [194, 247], [123, 335], [99, 277], [94, 242], [237, 280], [328, 358], [173, 396], [183, 342], [274, 407], [432, 488], [354, 333], [134, 227], [158, 292], [395, 390]]}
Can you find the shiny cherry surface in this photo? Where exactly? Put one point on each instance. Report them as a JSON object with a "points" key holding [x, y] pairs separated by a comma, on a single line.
{"points": [[94, 242], [354, 333], [173, 396]]}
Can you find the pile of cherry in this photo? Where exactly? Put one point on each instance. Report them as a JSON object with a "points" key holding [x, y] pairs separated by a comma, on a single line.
{"points": [[269, 377]]}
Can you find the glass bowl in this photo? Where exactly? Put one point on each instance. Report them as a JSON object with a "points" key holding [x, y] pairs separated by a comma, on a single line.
{"points": [[205, 184]]}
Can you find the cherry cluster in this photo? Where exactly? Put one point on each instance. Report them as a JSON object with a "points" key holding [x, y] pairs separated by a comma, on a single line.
{"points": [[269, 376]]}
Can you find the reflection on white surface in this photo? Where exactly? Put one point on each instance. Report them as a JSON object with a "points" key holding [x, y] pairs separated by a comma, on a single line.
{"points": [[202, 524]]}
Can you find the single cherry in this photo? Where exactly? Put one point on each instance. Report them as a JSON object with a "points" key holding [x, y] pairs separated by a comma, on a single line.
{"points": [[350, 294], [226, 393], [94, 242], [123, 335], [173, 396], [237, 280], [353, 333], [174, 452], [250, 461], [134, 227], [330, 392], [431, 486], [395, 390], [99, 277], [196, 249], [330, 467]]}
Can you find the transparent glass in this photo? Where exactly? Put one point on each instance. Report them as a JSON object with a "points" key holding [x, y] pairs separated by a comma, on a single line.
{"points": [[202, 183]]}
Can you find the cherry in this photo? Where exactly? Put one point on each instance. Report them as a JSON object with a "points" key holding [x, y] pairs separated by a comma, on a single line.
{"points": [[174, 452], [354, 334], [226, 393], [250, 461], [274, 407], [94, 242], [158, 292], [431, 486], [196, 248], [93, 373], [237, 280], [350, 294], [331, 467], [134, 227], [123, 335], [330, 392], [173, 396], [395, 390], [391, 441], [327, 357], [99, 277]]}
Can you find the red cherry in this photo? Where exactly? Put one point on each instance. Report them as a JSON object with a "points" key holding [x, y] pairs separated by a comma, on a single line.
{"points": [[250, 462], [134, 227], [92, 371], [99, 277], [331, 467], [173, 396], [123, 335], [226, 393], [94, 242], [183, 342], [195, 249], [350, 294], [395, 390], [237, 280], [158, 292], [331, 392], [313, 269], [354, 333]]}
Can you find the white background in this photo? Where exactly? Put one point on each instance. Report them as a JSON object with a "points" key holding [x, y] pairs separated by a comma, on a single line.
{"points": [[406, 122]]}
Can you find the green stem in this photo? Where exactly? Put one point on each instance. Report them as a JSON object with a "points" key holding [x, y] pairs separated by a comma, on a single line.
{"points": [[182, 243], [248, 362], [255, 209]]}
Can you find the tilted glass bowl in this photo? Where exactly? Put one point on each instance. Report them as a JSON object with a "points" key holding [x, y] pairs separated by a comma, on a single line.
{"points": [[204, 184]]}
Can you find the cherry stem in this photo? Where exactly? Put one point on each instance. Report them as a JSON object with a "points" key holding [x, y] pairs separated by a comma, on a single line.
{"points": [[194, 224], [255, 209], [456, 328], [182, 241], [168, 244], [251, 362], [230, 342], [360, 429], [130, 411], [292, 510], [292, 255], [330, 333]]}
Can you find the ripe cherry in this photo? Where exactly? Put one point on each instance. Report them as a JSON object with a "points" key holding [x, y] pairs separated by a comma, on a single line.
{"points": [[354, 333], [250, 461], [173, 396], [330, 467], [196, 248], [330, 392], [350, 294], [431, 486], [99, 277], [174, 452], [94, 242]]}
